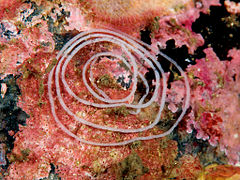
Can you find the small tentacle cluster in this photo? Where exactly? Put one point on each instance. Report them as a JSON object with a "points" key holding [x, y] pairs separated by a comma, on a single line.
{"points": [[136, 52]]}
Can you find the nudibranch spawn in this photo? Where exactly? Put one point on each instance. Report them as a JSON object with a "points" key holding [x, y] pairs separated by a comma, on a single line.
{"points": [[97, 96]]}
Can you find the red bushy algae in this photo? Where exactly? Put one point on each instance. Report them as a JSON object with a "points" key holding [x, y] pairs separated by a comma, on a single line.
{"points": [[178, 27], [215, 101]]}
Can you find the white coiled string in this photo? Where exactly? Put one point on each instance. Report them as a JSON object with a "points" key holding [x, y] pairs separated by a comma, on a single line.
{"points": [[128, 45]]}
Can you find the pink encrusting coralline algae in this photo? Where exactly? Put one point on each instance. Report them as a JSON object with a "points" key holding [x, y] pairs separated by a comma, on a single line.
{"points": [[47, 144], [88, 101]]}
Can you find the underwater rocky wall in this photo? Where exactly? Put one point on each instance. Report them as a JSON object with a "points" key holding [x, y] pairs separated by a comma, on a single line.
{"points": [[192, 122]]}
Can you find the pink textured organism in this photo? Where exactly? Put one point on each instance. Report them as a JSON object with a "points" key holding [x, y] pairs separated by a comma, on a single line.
{"points": [[130, 16]]}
